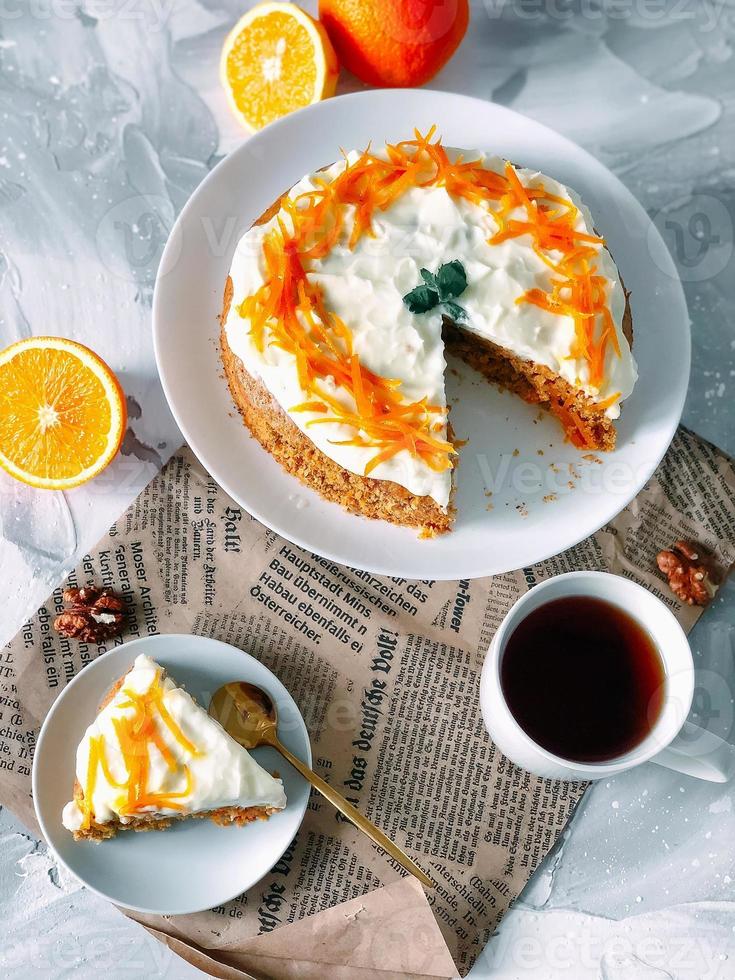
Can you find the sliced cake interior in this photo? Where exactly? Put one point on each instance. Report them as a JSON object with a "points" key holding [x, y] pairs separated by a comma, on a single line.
{"points": [[586, 425], [342, 297], [153, 755]]}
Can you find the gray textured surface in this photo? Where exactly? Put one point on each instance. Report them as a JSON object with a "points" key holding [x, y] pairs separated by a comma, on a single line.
{"points": [[110, 114]]}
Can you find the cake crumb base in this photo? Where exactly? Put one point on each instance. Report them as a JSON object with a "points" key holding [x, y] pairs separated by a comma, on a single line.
{"points": [[225, 816]]}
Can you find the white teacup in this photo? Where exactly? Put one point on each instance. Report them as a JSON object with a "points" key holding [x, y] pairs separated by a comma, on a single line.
{"points": [[671, 742]]}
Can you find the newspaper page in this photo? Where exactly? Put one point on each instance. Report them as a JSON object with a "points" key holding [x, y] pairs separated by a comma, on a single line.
{"points": [[386, 674]]}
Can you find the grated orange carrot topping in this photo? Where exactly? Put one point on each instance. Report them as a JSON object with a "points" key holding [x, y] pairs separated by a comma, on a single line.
{"points": [[90, 782], [288, 310], [167, 800], [606, 402], [104, 765], [136, 733], [291, 308]]}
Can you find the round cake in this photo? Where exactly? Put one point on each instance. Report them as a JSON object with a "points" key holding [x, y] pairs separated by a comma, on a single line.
{"points": [[344, 296]]}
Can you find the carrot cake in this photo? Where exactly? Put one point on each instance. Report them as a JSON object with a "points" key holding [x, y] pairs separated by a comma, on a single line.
{"points": [[343, 297], [153, 755]]}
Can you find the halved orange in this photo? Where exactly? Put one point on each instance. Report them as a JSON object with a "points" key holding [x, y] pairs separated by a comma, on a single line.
{"points": [[276, 59], [62, 412]]}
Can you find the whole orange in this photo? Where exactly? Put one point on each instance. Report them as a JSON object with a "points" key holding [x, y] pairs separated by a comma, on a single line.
{"points": [[394, 43]]}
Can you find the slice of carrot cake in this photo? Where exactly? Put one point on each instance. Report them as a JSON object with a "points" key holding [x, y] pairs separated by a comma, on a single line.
{"points": [[153, 755], [343, 297]]}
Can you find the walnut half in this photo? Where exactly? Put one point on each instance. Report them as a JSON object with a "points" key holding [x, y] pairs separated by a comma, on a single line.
{"points": [[94, 615], [687, 572]]}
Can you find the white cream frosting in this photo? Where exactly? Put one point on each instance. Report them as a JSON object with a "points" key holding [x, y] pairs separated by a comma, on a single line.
{"points": [[223, 772], [365, 286]]}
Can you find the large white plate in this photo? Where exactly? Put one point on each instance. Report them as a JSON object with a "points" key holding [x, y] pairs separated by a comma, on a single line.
{"points": [[195, 864], [545, 495]]}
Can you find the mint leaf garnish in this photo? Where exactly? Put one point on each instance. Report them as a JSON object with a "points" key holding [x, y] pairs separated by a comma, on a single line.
{"points": [[454, 310], [421, 299], [430, 279], [439, 288], [451, 280]]}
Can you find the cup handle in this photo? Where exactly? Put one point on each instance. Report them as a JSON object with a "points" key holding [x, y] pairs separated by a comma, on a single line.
{"points": [[697, 752]]}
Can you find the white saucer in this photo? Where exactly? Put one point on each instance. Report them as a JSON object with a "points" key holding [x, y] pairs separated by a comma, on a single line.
{"points": [[195, 864], [545, 496]]}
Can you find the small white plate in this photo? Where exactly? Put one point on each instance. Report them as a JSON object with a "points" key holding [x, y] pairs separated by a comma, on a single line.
{"points": [[195, 864], [522, 493]]}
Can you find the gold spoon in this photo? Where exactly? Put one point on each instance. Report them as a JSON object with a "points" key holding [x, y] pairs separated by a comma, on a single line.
{"points": [[249, 716]]}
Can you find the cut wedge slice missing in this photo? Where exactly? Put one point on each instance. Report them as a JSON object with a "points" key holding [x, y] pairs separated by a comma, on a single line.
{"points": [[62, 412], [275, 60], [153, 755]]}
